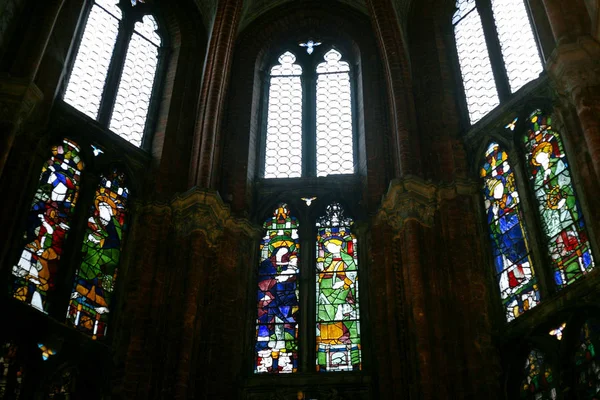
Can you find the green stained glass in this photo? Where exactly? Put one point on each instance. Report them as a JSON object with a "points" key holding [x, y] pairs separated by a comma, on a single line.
{"points": [[562, 221], [95, 279], [538, 383], [338, 327], [587, 363]]}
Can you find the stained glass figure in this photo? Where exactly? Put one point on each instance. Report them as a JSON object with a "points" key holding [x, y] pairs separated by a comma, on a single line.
{"points": [[587, 362], [562, 221], [283, 154], [558, 332], [95, 279], [48, 225], [338, 326], [11, 372], [538, 383], [63, 385], [137, 81], [86, 82], [278, 295], [519, 50], [510, 249], [474, 61], [335, 145]]}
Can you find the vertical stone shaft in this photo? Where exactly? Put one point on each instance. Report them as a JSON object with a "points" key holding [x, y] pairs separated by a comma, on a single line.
{"points": [[212, 97]]}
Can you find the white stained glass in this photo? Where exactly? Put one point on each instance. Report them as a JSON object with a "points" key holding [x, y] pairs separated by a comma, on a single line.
{"points": [[112, 6], [334, 117], [475, 67], [519, 49], [462, 8], [135, 89], [148, 29], [283, 154], [86, 83]]}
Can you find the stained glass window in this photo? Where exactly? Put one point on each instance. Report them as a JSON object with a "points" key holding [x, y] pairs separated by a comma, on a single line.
{"points": [[283, 154], [107, 24], [48, 224], [63, 385], [562, 221], [135, 89], [474, 61], [338, 325], [510, 249], [11, 372], [86, 83], [95, 279], [538, 383], [519, 50], [276, 346], [334, 117], [587, 363]]}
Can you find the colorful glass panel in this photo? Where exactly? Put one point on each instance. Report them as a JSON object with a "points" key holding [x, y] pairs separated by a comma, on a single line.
{"points": [[558, 332], [587, 362], [519, 50], [474, 61], [278, 295], [283, 153], [335, 153], [510, 249], [86, 82], [63, 385], [538, 383], [338, 325], [47, 225], [562, 221], [137, 81], [95, 279], [11, 372]]}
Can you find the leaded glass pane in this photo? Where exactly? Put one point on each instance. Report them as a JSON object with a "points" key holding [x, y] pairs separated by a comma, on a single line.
{"points": [[334, 117], [463, 7], [519, 50], [137, 81], [278, 295], [475, 67], [95, 278], [86, 83], [283, 154], [512, 258], [538, 383], [562, 221], [11, 372], [338, 325], [48, 225], [587, 362]]}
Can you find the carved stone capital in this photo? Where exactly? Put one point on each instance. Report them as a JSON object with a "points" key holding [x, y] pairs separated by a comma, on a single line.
{"points": [[18, 99], [412, 198], [200, 210], [575, 67]]}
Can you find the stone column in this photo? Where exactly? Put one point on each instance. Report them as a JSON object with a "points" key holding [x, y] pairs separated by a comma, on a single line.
{"points": [[214, 90], [575, 68], [18, 94]]}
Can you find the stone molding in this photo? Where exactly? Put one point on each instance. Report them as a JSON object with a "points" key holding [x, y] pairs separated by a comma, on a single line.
{"points": [[412, 198], [200, 210], [575, 66], [18, 99]]}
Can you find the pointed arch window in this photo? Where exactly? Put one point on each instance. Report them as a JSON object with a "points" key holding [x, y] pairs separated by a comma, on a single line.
{"points": [[556, 218], [113, 77], [309, 119], [333, 294], [49, 250], [497, 51]]}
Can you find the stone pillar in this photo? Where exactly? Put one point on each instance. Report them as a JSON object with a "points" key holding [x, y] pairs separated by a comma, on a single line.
{"points": [[575, 68], [18, 94], [435, 300], [396, 64], [214, 90]]}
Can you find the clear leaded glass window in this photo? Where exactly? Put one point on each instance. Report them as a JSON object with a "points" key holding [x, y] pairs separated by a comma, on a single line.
{"points": [[113, 76], [509, 37], [309, 127]]}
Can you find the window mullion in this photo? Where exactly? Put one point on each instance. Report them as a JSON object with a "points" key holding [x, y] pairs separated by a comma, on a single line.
{"points": [[309, 122], [115, 70], [495, 52], [306, 296]]}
